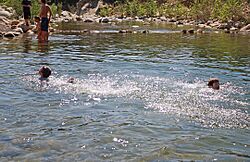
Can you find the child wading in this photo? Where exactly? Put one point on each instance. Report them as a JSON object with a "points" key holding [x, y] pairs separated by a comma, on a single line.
{"points": [[45, 15], [38, 27]]}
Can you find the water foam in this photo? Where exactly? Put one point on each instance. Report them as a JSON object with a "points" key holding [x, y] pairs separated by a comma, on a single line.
{"points": [[167, 95]]}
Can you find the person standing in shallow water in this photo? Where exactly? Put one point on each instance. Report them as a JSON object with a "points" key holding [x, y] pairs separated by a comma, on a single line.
{"points": [[26, 11], [45, 15]]}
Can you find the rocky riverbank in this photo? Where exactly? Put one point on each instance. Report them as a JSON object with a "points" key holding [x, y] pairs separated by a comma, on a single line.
{"points": [[10, 27], [195, 26]]}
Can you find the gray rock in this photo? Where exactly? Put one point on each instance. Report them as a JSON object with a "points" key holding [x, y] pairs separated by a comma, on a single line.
{"points": [[190, 31], [65, 14], [78, 18], [163, 18], [104, 20], [9, 35], [145, 31], [233, 29], [88, 20], [224, 26], [20, 30], [122, 31], [184, 31], [5, 14], [16, 33]]}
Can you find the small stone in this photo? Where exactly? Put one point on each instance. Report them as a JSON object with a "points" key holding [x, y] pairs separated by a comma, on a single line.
{"points": [[88, 20], [191, 31], [184, 31], [145, 31], [122, 31]]}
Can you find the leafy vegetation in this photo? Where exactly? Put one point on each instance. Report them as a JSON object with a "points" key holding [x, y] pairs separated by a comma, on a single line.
{"points": [[223, 10], [35, 9]]}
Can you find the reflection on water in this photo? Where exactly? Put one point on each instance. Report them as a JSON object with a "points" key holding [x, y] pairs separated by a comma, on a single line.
{"points": [[135, 97]]}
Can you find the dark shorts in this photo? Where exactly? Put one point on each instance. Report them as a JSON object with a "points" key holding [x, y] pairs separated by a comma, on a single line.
{"points": [[26, 12], [45, 24]]}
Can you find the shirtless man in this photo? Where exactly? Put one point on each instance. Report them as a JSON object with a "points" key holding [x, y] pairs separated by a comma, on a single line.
{"points": [[45, 15]]}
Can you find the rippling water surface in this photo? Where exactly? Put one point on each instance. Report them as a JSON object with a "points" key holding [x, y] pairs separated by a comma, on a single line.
{"points": [[136, 97]]}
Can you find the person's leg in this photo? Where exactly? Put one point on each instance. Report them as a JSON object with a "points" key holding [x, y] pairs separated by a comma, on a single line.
{"points": [[27, 15]]}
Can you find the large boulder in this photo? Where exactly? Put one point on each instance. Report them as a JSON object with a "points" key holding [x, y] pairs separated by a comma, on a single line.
{"points": [[9, 35], [65, 14], [5, 14]]}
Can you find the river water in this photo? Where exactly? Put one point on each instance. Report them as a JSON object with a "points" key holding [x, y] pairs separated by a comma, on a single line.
{"points": [[136, 97]]}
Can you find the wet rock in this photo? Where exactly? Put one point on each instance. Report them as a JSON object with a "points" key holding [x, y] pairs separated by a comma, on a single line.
{"points": [[173, 20], [202, 25], [184, 31], [214, 24], [78, 18], [190, 31], [89, 20], [16, 33], [199, 31], [122, 31], [224, 26], [85, 31], [5, 14], [125, 31], [4, 20], [245, 28], [51, 29], [9, 35], [179, 23], [65, 14], [227, 31], [239, 25], [20, 30], [163, 18], [233, 29], [104, 20], [145, 31], [65, 20]]}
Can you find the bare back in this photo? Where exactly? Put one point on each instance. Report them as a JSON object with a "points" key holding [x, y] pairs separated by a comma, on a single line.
{"points": [[45, 11]]}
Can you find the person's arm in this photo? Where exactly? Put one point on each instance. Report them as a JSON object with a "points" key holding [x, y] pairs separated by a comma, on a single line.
{"points": [[40, 13], [50, 13]]}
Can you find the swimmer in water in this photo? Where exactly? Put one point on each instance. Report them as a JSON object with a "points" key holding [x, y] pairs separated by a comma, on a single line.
{"points": [[44, 73], [214, 83]]}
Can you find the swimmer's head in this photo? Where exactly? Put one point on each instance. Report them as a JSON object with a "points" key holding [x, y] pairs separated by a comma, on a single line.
{"points": [[45, 71], [71, 80], [214, 83]]}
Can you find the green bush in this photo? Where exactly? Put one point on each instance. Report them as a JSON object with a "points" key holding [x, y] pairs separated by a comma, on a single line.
{"points": [[174, 10], [35, 9]]}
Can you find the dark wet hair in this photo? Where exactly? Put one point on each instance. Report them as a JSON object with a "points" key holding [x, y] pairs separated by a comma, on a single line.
{"points": [[212, 81], [45, 71], [37, 18], [44, 1]]}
